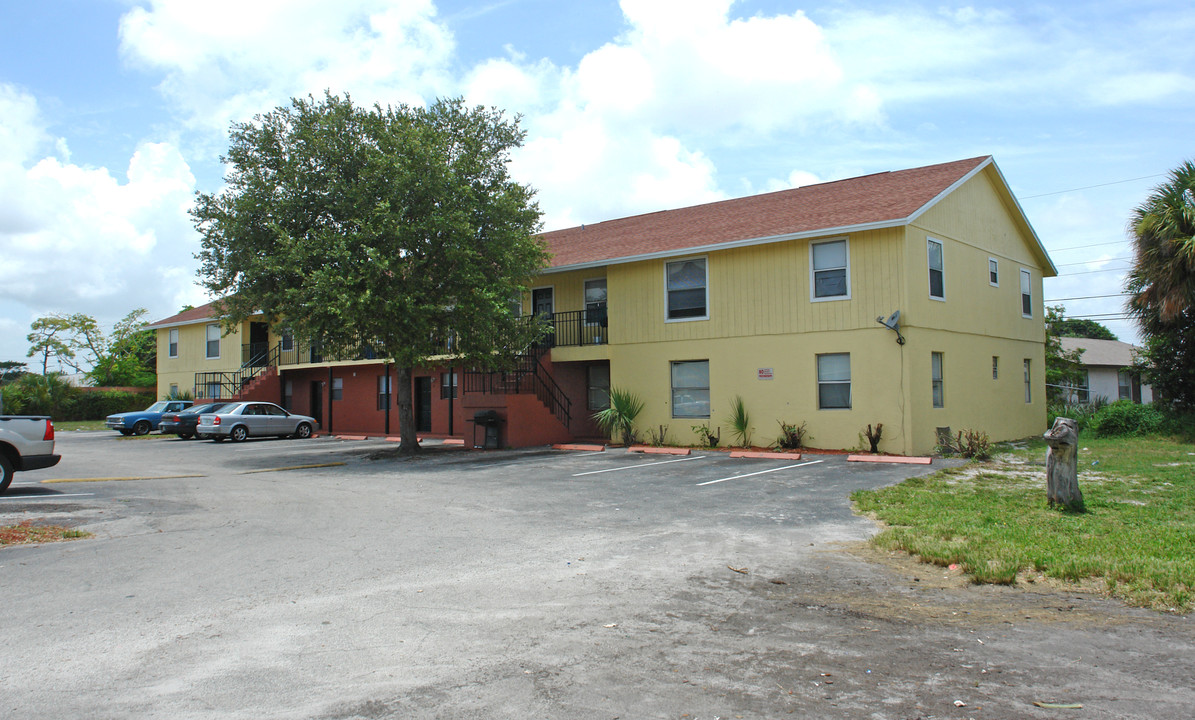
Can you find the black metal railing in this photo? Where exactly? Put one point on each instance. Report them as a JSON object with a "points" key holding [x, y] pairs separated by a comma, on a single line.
{"points": [[257, 360], [527, 376], [575, 328]]}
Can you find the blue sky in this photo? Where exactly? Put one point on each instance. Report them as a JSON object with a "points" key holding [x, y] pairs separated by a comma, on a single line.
{"points": [[114, 112]]}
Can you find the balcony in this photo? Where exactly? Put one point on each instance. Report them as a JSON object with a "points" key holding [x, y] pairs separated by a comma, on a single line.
{"points": [[578, 328]]}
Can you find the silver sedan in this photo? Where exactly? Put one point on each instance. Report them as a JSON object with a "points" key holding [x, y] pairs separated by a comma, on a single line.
{"points": [[238, 421]]}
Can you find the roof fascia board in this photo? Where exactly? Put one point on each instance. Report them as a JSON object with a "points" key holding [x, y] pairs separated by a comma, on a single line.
{"points": [[698, 249], [197, 321]]}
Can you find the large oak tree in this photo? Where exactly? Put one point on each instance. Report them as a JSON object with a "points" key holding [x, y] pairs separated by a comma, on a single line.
{"points": [[393, 227]]}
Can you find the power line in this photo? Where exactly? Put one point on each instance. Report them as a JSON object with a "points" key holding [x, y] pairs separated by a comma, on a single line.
{"points": [[1090, 187], [1090, 297], [1084, 247], [1089, 272], [1088, 262]]}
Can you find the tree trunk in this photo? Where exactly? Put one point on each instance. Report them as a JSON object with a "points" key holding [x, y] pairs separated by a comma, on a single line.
{"points": [[1062, 466], [409, 444]]}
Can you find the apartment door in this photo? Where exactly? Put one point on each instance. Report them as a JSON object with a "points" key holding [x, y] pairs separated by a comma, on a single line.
{"points": [[317, 401], [542, 305], [259, 345], [423, 404]]}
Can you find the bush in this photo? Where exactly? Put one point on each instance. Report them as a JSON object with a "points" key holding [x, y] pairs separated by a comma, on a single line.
{"points": [[791, 436], [968, 444], [1128, 418], [102, 403]]}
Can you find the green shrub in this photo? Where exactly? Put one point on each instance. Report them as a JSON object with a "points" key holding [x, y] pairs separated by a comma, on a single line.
{"points": [[968, 443], [706, 437], [739, 421], [1128, 418], [618, 420], [791, 436]]}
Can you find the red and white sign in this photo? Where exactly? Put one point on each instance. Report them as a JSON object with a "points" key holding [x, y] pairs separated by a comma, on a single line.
{"points": [[765, 373]]}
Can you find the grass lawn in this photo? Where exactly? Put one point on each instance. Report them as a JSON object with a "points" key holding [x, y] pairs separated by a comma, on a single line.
{"points": [[1136, 540], [71, 425]]}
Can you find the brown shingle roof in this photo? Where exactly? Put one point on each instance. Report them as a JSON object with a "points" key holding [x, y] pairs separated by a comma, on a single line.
{"points": [[203, 312], [1109, 353], [887, 197]]}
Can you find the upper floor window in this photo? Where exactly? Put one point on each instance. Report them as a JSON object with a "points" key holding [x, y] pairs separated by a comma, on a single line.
{"points": [[937, 282], [993, 272], [829, 264], [595, 301], [688, 297], [1026, 294], [173, 342], [287, 341], [213, 341]]}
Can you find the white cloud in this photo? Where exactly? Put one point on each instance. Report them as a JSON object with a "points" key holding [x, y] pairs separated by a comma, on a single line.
{"points": [[226, 60], [78, 239]]}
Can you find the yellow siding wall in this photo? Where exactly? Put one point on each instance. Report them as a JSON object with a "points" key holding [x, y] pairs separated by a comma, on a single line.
{"points": [[192, 356]]}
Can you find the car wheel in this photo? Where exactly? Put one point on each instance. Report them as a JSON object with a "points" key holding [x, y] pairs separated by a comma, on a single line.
{"points": [[141, 428], [185, 436], [5, 473], [303, 431], [238, 433]]}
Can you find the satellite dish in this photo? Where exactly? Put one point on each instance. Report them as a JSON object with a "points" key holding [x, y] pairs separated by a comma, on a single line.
{"points": [[893, 324]]}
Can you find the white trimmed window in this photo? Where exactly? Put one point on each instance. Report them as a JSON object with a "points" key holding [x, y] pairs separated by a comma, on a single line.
{"points": [[1026, 293], [993, 272], [688, 289], [937, 277], [213, 341], [337, 388], [691, 389], [1124, 385], [595, 301], [830, 271], [936, 375], [834, 381], [173, 342], [598, 387], [1028, 383]]}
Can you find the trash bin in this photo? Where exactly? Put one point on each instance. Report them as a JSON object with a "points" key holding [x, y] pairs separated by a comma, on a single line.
{"points": [[491, 421]]}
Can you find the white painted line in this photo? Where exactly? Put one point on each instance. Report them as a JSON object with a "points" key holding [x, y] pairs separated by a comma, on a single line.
{"points": [[14, 498], [761, 472], [636, 467], [276, 447]]}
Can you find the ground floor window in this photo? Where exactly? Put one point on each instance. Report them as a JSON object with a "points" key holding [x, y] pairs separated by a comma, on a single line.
{"points": [[834, 381], [691, 389], [995, 367], [288, 395], [598, 383], [1083, 389], [1028, 383], [337, 388], [936, 371], [383, 392], [173, 390], [448, 386], [213, 391]]}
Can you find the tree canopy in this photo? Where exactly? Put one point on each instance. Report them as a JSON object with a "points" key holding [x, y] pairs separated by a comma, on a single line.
{"points": [[126, 357], [1162, 287], [1064, 369], [1079, 328], [395, 227]]}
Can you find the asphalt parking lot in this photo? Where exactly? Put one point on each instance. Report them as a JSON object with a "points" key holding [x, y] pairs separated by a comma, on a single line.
{"points": [[332, 579]]}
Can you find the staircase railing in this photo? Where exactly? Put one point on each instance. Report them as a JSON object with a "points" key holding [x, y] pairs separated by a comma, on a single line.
{"points": [[219, 385], [529, 375]]}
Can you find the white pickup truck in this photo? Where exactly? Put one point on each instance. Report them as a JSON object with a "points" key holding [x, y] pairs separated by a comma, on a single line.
{"points": [[26, 443]]}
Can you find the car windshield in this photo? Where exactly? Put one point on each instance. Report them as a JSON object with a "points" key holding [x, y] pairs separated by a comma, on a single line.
{"points": [[206, 408], [156, 407]]}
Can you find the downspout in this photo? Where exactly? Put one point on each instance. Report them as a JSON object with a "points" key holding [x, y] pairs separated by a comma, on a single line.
{"points": [[452, 391], [389, 388], [329, 399]]}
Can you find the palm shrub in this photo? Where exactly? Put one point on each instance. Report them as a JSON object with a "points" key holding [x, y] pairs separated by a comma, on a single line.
{"points": [[739, 421], [619, 417]]}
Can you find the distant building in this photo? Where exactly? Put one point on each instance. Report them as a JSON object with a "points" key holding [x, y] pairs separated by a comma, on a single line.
{"points": [[1108, 365]]}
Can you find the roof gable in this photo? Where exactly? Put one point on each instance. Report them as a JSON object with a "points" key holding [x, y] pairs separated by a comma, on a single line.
{"points": [[1109, 353]]}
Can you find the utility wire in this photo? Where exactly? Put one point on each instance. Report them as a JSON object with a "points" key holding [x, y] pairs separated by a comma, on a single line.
{"points": [[1090, 297], [1088, 262], [1089, 187], [1084, 247]]}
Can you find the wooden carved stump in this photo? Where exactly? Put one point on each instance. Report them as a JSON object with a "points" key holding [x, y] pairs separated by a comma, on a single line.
{"points": [[1062, 465]]}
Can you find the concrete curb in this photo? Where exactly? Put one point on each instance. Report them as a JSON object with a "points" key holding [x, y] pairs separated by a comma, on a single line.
{"points": [[894, 459], [761, 454], [576, 446], [658, 450]]}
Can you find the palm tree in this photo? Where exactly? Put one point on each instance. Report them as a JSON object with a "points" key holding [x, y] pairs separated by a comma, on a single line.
{"points": [[1162, 281]]}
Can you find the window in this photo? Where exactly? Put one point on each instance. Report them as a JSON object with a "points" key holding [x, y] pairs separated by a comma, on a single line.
{"points": [[213, 341], [288, 394], [383, 391], [1028, 384], [287, 341], [995, 367], [937, 289], [829, 263], [337, 388], [595, 302], [691, 389], [834, 381], [1083, 389], [174, 342], [1026, 294], [213, 391], [936, 372], [599, 387], [173, 389], [993, 272], [687, 296], [1124, 385], [448, 385]]}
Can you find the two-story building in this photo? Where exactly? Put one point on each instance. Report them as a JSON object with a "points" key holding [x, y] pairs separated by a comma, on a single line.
{"points": [[786, 300]]}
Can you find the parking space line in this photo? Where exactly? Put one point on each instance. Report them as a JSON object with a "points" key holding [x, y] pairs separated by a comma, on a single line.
{"points": [[292, 467], [333, 447], [119, 479], [636, 467], [15, 498], [761, 472]]}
